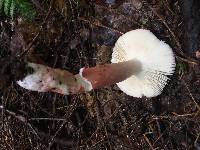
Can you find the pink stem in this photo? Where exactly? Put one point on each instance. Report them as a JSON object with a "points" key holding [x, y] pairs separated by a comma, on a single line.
{"points": [[108, 74]]}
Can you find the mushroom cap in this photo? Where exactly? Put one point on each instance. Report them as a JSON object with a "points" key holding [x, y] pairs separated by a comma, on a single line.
{"points": [[155, 56]]}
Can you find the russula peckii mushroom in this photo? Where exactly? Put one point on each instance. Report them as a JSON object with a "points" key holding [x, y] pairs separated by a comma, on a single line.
{"points": [[156, 59], [141, 64]]}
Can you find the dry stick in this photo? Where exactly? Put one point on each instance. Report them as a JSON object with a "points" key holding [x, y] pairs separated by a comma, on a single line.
{"points": [[159, 137], [49, 119], [99, 126], [107, 136], [101, 123], [130, 18], [190, 61], [122, 145], [167, 26], [97, 143], [159, 131], [197, 105], [53, 137], [41, 27], [120, 111], [147, 140], [184, 115], [97, 23], [165, 2], [3, 110], [85, 119], [186, 59], [61, 141], [6, 141], [160, 134], [93, 134], [196, 140], [113, 114], [20, 118], [78, 139], [177, 117], [53, 107], [62, 125]]}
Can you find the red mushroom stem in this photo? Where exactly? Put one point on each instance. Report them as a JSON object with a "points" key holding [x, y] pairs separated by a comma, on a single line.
{"points": [[108, 74]]}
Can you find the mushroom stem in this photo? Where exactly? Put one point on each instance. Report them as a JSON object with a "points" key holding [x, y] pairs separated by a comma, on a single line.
{"points": [[108, 74], [44, 79]]}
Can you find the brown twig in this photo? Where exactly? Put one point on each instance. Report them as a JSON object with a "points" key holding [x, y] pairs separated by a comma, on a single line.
{"points": [[67, 115], [97, 143], [99, 24], [62, 141], [20, 118], [53, 137], [196, 140], [166, 3], [183, 115], [114, 11], [148, 141], [49, 119], [197, 105], [169, 29], [190, 61]]}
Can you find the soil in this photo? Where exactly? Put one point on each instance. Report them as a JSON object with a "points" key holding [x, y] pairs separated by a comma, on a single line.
{"points": [[75, 34], [191, 20]]}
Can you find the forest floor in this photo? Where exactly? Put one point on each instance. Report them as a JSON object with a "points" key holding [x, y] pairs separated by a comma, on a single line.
{"points": [[73, 34]]}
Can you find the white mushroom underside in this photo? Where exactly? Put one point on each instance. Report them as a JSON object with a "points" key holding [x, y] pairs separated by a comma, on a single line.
{"points": [[155, 56]]}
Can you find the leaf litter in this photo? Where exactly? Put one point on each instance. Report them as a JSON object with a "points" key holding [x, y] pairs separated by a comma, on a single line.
{"points": [[74, 34]]}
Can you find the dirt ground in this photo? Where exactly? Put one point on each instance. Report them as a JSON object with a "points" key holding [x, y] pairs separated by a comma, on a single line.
{"points": [[73, 34]]}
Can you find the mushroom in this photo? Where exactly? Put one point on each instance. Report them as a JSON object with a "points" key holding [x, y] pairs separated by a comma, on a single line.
{"points": [[141, 64]]}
